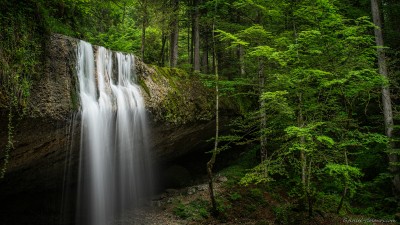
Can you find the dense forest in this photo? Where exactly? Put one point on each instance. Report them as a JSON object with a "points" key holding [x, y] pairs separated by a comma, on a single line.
{"points": [[315, 84]]}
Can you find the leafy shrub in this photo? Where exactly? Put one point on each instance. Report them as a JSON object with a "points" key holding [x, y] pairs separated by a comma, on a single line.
{"points": [[235, 196], [195, 210], [283, 214]]}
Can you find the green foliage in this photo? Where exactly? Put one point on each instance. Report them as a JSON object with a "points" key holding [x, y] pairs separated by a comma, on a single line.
{"points": [[126, 41], [328, 202], [320, 79], [235, 41], [195, 210], [345, 174], [264, 172], [235, 196], [236, 171], [283, 214], [21, 43], [256, 193], [223, 205]]}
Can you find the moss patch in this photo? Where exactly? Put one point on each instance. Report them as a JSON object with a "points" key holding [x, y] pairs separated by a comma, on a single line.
{"points": [[144, 86], [176, 97]]}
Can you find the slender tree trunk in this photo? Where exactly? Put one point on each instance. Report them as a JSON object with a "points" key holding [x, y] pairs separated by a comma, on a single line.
{"points": [[211, 163], [214, 59], [204, 60], [162, 53], [205, 45], [303, 160], [310, 197], [303, 157], [144, 24], [263, 116], [240, 52], [174, 34], [164, 36], [196, 37], [344, 193], [142, 49], [189, 33], [386, 98]]}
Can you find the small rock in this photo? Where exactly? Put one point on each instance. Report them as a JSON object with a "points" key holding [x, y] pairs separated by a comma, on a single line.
{"points": [[202, 187], [222, 179], [191, 190]]}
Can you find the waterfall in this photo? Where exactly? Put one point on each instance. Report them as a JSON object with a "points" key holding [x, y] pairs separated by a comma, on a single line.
{"points": [[114, 170]]}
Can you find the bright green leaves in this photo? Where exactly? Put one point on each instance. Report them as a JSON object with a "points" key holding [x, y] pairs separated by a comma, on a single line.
{"points": [[361, 82], [320, 74], [116, 40], [315, 12], [343, 170], [252, 35], [277, 111], [256, 34], [308, 38], [233, 39], [344, 175], [327, 141], [308, 138], [265, 171]]}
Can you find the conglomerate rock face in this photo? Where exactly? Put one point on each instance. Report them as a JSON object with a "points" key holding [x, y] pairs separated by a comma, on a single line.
{"points": [[46, 141]]}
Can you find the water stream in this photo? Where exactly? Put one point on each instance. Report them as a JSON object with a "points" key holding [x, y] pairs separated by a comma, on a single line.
{"points": [[114, 171]]}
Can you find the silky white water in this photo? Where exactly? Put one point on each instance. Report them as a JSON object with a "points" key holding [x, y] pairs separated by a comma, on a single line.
{"points": [[114, 173]]}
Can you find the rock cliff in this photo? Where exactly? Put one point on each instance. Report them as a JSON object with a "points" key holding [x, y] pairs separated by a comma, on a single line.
{"points": [[46, 140]]}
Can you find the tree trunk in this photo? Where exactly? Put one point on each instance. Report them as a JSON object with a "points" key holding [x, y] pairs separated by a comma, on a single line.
{"points": [[263, 116], [162, 53], [144, 25], [303, 158], [196, 37], [204, 60], [211, 163], [344, 193], [240, 53], [174, 34], [189, 33], [310, 196], [164, 32], [142, 49], [386, 98]]}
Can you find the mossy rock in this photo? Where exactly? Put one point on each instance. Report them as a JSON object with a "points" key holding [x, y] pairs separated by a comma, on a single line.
{"points": [[174, 96]]}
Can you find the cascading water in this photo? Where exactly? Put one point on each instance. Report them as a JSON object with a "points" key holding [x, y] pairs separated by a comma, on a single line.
{"points": [[115, 171]]}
